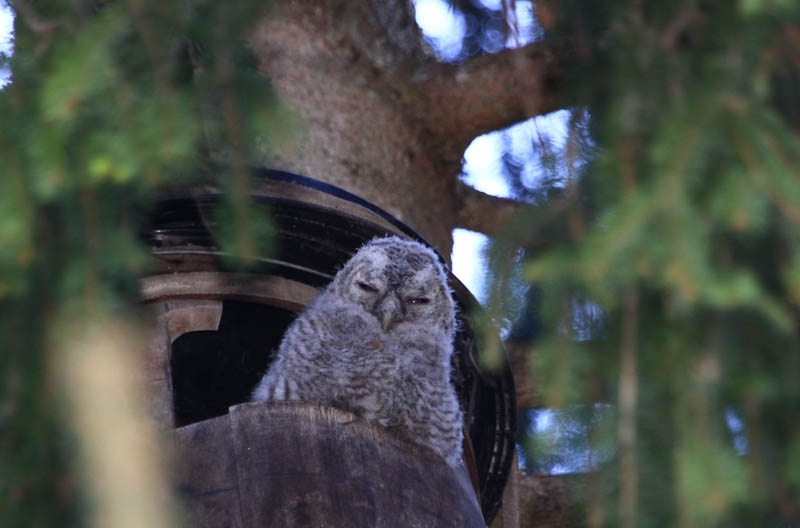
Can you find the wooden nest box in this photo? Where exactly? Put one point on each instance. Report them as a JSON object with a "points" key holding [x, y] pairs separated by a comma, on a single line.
{"points": [[279, 464]]}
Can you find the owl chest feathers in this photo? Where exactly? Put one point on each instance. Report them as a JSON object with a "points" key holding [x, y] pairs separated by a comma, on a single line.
{"points": [[341, 356], [354, 342]]}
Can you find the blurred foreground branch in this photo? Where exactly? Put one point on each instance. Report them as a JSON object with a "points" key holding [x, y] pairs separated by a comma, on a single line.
{"points": [[122, 457]]}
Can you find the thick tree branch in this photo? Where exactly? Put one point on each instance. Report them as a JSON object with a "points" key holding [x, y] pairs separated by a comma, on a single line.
{"points": [[459, 102], [484, 213], [535, 227], [491, 215]]}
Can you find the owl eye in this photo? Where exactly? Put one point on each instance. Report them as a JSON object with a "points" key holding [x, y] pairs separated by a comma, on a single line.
{"points": [[418, 300], [366, 287]]}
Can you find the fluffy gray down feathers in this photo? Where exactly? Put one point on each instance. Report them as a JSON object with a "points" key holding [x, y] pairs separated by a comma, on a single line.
{"points": [[378, 342]]}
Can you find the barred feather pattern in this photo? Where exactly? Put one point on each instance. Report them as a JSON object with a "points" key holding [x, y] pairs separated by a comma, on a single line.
{"points": [[378, 342]]}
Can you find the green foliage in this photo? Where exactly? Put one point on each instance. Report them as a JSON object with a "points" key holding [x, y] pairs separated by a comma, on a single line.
{"points": [[688, 196], [110, 102]]}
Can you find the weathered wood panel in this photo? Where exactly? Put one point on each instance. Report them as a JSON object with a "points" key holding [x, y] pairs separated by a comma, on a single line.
{"points": [[206, 476], [274, 290], [172, 319], [191, 315], [156, 371], [508, 516], [299, 465]]}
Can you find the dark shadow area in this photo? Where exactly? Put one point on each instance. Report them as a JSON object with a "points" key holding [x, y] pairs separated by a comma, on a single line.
{"points": [[213, 370]]}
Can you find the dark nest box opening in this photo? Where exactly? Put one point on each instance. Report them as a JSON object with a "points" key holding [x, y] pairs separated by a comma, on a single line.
{"points": [[213, 370], [221, 326]]}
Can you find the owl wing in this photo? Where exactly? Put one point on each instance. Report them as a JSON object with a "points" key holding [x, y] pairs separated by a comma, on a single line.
{"points": [[319, 359]]}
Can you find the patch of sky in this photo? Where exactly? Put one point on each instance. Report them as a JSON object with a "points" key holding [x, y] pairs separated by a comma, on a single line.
{"points": [[469, 261], [494, 5], [6, 39], [587, 319], [580, 438], [442, 26], [736, 428], [483, 165], [486, 158], [445, 28], [561, 441], [524, 28]]}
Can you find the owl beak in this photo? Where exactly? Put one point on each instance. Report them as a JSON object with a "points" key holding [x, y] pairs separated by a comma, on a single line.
{"points": [[389, 312], [387, 322]]}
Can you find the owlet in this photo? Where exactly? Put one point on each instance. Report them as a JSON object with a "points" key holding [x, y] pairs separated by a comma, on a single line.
{"points": [[378, 342]]}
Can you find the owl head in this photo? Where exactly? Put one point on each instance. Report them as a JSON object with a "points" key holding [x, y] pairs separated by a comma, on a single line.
{"points": [[400, 283]]}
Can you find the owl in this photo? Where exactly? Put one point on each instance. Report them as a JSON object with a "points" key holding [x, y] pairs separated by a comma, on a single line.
{"points": [[378, 342]]}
